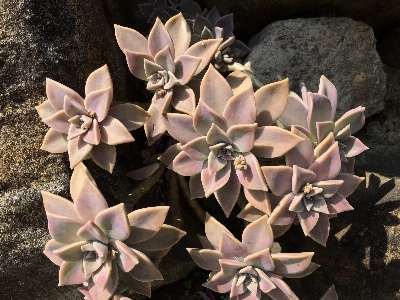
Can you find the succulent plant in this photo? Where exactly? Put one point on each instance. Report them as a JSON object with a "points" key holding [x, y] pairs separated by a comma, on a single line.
{"points": [[99, 245], [167, 63], [315, 112], [213, 26], [230, 127], [85, 291], [154, 9], [313, 190], [88, 126], [247, 269]]}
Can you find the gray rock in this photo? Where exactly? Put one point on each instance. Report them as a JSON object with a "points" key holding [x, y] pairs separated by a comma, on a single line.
{"points": [[341, 49]]}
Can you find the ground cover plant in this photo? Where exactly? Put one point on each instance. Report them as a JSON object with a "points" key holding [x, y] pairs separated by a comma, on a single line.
{"points": [[283, 159]]}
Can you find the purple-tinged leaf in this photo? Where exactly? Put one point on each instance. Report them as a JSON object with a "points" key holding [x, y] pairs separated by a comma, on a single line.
{"points": [[281, 215], [295, 112], [72, 108], [226, 23], [183, 99], [130, 115], [327, 89], [196, 187], [71, 273], [323, 129], [176, 122], [136, 63], [291, 263], [165, 238], [252, 178], [216, 136], [162, 102], [327, 166], [56, 92], [271, 142], [282, 290], [98, 80], [343, 134], [151, 67], [337, 204], [230, 247], [215, 181], [97, 292], [205, 242], [259, 200], [213, 230], [242, 137], [330, 294], [278, 179], [144, 172], [319, 110], [91, 232], [200, 22], [239, 82], [145, 223], [45, 110], [64, 229], [179, 32], [57, 205], [104, 156], [126, 258], [184, 165], [350, 183], [251, 235], [137, 286], [324, 145], [303, 154], [92, 135], [114, 222], [164, 59], [102, 275], [130, 39], [159, 38], [241, 109], [204, 50], [48, 251], [265, 283], [230, 266], [145, 270], [308, 220], [58, 121], [197, 149], [206, 258], [154, 127], [354, 147], [72, 252], [329, 187], [320, 232], [204, 117], [215, 163], [354, 117], [185, 67], [113, 132], [169, 155], [220, 283], [301, 177], [261, 259], [228, 194], [271, 101]]}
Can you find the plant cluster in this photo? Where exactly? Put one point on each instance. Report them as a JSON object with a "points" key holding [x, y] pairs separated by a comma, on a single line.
{"points": [[230, 135]]}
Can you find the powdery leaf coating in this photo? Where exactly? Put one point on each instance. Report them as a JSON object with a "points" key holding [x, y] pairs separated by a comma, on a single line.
{"points": [[95, 245]]}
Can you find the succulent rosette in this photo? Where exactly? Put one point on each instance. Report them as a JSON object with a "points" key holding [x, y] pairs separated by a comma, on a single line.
{"points": [[315, 112], [313, 190], [87, 296], [247, 269], [88, 126], [213, 26], [230, 127], [167, 63], [99, 245]]}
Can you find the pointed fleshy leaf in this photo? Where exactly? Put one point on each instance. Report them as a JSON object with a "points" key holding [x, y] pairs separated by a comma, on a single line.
{"points": [[323, 129], [56, 92], [183, 99], [130, 115], [239, 82], [241, 109], [271, 142], [230, 266], [230, 247], [258, 199], [64, 229], [144, 172], [330, 187], [104, 156], [300, 178], [324, 145], [91, 263], [71, 273], [282, 290], [295, 112], [320, 232], [145, 270], [184, 165], [220, 283], [196, 187], [48, 251], [251, 235], [261, 259], [350, 183], [265, 283], [204, 50], [45, 110], [242, 136], [165, 238], [57, 205], [354, 147], [291, 263], [216, 136], [169, 155], [91, 232], [343, 134], [197, 149], [308, 220], [72, 252], [185, 67], [271, 101], [215, 181], [55, 142], [145, 223], [281, 215], [204, 116], [330, 294], [98, 80], [137, 286], [176, 122], [205, 242], [252, 178], [228, 194], [354, 117], [319, 110], [130, 39], [213, 230], [151, 67], [102, 275], [215, 90], [179, 32], [99, 101], [206, 258], [327, 89], [58, 121], [72, 108], [78, 149], [98, 292], [159, 38], [88, 200], [278, 179], [337, 204], [200, 22], [126, 258], [92, 135], [297, 204], [303, 154], [113, 132], [154, 127], [327, 166], [164, 59], [162, 102], [114, 222]]}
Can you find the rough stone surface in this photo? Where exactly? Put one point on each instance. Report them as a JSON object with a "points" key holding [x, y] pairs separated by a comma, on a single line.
{"points": [[251, 16], [66, 41], [341, 49]]}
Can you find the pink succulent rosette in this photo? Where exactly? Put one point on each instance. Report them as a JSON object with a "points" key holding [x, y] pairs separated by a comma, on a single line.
{"points": [[311, 186], [247, 269], [230, 127], [167, 63], [98, 245], [315, 112], [85, 291], [88, 126]]}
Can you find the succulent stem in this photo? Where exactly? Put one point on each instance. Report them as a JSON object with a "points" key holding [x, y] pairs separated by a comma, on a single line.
{"points": [[173, 200], [194, 205], [146, 185], [239, 67]]}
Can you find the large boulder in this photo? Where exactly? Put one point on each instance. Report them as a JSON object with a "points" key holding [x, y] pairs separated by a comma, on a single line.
{"points": [[341, 49]]}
